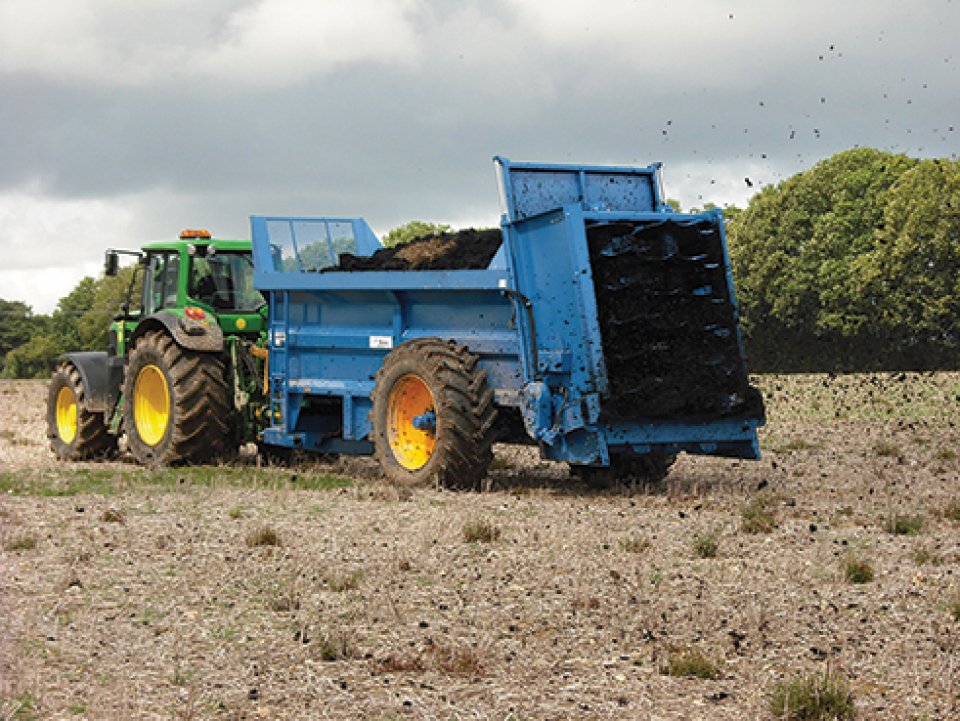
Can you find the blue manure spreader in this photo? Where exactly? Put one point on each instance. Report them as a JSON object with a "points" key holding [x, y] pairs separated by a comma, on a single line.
{"points": [[595, 323]]}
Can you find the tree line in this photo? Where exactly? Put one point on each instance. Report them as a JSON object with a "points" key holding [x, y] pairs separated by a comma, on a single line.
{"points": [[852, 265], [30, 343]]}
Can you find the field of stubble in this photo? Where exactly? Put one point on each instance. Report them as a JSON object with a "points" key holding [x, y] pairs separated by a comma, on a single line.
{"points": [[321, 592]]}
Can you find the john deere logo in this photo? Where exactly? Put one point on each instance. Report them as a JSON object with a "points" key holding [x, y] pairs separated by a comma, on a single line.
{"points": [[241, 323]]}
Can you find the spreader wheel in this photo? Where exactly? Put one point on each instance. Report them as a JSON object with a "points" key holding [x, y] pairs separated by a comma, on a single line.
{"points": [[433, 415]]}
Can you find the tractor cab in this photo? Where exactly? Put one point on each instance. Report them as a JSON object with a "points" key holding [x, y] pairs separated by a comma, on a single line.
{"points": [[222, 279], [195, 276]]}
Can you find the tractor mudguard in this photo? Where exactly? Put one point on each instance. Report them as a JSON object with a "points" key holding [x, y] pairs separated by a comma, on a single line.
{"points": [[199, 335], [101, 374]]}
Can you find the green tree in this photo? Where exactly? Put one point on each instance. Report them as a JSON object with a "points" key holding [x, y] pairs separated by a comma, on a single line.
{"points": [[17, 325], [81, 321], [796, 253], [34, 359], [411, 231], [731, 212], [65, 321], [910, 283], [93, 325]]}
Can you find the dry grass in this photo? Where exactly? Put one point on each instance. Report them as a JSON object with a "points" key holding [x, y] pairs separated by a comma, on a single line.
{"points": [[954, 605], [25, 542], [706, 544], [691, 663], [480, 531], [344, 581], [537, 599], [816, 697], [952, 510], [901, 524], [262, 536], [758, 516], [857, 570]]}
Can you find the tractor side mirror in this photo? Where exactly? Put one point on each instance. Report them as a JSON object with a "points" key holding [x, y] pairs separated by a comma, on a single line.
{"points": [[111, 263]]}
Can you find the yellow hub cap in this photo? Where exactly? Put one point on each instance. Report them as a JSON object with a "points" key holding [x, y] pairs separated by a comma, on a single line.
{"points": [[66, 415], [151, 405], [410, 398]]}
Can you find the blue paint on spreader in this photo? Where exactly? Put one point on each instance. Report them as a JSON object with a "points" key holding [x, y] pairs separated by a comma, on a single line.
{"points": [[536, 317]]}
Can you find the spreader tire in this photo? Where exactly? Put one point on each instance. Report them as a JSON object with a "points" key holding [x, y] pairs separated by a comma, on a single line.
{"points": [[75, 433], [649, 468], [433, 415], [177, 405]]}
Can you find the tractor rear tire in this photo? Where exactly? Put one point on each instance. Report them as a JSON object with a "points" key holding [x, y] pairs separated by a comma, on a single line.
{"points": [[75, 432], [177, 404], [649, 468], [440, 385]]}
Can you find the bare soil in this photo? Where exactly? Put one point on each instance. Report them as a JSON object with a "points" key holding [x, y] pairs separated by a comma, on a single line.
{"points": [[251, 595]]}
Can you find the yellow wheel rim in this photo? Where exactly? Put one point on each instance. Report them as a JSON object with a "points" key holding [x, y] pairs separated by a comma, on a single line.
{"points": [[151, 405], [411, 446], [66, 415]]}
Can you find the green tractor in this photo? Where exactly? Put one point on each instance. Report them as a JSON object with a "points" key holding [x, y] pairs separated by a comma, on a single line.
{"points": [[180, 371]]}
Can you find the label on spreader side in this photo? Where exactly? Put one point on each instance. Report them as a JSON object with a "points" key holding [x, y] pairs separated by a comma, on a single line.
{"points": [[381, 342]]}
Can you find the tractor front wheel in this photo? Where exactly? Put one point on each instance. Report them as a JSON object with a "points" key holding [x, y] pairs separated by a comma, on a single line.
{"points": [[177, 405], [433, 415], [75, 432]]}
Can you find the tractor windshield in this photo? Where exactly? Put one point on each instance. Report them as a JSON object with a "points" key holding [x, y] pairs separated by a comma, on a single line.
{"points": [[225, 281]]}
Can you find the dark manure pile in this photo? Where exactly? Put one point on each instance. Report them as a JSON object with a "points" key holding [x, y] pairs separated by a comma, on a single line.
{"points": [[468, 249], [668, 326]]}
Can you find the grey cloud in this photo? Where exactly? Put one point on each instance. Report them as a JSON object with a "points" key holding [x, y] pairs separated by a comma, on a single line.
{"points": [[717, 99]]}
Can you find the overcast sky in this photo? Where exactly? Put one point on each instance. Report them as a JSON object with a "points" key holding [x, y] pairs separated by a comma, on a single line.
{"points": [[123, 122]]}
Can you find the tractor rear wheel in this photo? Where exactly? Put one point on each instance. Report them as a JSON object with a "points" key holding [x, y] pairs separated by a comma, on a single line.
{"points": [[75, 432], [433, 415], [648, 468], [177, 405]]}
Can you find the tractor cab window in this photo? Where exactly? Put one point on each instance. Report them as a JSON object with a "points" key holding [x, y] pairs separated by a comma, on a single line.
{"points": [[161, 282], [224, 281]]}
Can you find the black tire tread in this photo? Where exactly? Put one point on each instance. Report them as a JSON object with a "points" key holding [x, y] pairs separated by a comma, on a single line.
{"points": [[466, 414], [93, 439], [201, 409]]}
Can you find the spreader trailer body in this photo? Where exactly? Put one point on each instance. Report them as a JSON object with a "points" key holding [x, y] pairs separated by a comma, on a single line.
{"points": [[604, 330]]}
